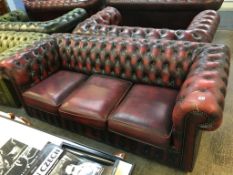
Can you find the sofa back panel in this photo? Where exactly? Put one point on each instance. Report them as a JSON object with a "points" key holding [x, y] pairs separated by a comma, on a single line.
{"points": [[137, 32], [160, 62], [200, 28], [166, 5], [59, 5], [64, 23], [10, 39], [33, 64], [14, 16]]}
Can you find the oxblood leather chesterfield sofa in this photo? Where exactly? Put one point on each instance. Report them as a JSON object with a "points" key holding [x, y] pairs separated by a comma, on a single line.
{"points": [[20, 21], [10, 44], [151, 97], [49, 9], [106, 22], [173, 14]]}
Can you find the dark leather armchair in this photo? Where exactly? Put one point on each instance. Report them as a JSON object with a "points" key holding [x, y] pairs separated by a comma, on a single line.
{"points": [[10, 44], [174, 14], [19, 21], [151, 97], [49, 9], [107, 22]]}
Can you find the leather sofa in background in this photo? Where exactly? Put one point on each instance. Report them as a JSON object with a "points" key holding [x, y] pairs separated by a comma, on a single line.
{"points": [[20, 21], [174, 14], [14, 16], [2, 7], [108, 22], [49, 9], [151, 97], [11, 43]]}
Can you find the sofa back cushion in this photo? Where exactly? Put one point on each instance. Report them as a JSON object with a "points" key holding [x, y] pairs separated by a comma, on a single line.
{"points": [[160, 62]]}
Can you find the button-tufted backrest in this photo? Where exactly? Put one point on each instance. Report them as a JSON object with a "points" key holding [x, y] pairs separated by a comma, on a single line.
{"points": [[64, 23], [59, 4], [160, 62], [14, 16], [10, 39], [49, 9], [201, 29]]}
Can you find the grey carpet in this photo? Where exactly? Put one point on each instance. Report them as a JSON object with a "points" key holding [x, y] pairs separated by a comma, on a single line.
{"points": [[226, 22]]}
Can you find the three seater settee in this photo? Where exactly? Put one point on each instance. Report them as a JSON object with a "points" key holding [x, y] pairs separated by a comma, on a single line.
{"points": [[174, 14], [12, 43], [20, 21], [108, 22], [151, 97]]}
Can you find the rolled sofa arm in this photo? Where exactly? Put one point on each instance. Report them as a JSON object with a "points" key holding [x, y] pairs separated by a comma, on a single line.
{"points": [[204, 89], [31, 64], [14, 16], [204, 25], [64, 23], [107, 16]]}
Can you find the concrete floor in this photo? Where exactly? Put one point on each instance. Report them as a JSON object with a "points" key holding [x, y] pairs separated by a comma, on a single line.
{"points": [[216, 149]]}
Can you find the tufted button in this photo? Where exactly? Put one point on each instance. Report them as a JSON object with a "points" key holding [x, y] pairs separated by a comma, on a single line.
{"points": [[51, 26]]}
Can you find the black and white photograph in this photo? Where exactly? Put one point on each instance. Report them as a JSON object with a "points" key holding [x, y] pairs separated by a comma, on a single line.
{"points": [[70, 164], [24, 162], [9, 153]]}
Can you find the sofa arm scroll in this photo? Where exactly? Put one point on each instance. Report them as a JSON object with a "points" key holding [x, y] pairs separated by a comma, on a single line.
{"points": [[204, 90], [204, 25]]}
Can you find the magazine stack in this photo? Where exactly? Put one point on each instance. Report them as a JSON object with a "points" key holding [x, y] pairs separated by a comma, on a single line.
{"points": [[17, 158]]}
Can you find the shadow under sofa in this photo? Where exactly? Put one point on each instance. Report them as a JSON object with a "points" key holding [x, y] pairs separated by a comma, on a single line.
{"points": [[153, 98]]}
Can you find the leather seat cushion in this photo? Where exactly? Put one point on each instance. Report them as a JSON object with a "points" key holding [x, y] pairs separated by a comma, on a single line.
{"points": [[91, 103], [145, 115], [50, 93]]}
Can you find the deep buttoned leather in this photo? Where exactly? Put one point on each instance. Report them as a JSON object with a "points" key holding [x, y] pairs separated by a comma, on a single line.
{"points": [[201, 28], [145, 114], [50, 93], [198, 71], [63, 23]]}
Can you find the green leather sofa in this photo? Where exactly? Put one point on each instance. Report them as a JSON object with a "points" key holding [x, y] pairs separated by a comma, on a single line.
{"points": [[12, 43], [20, 21], [14, 16]]}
